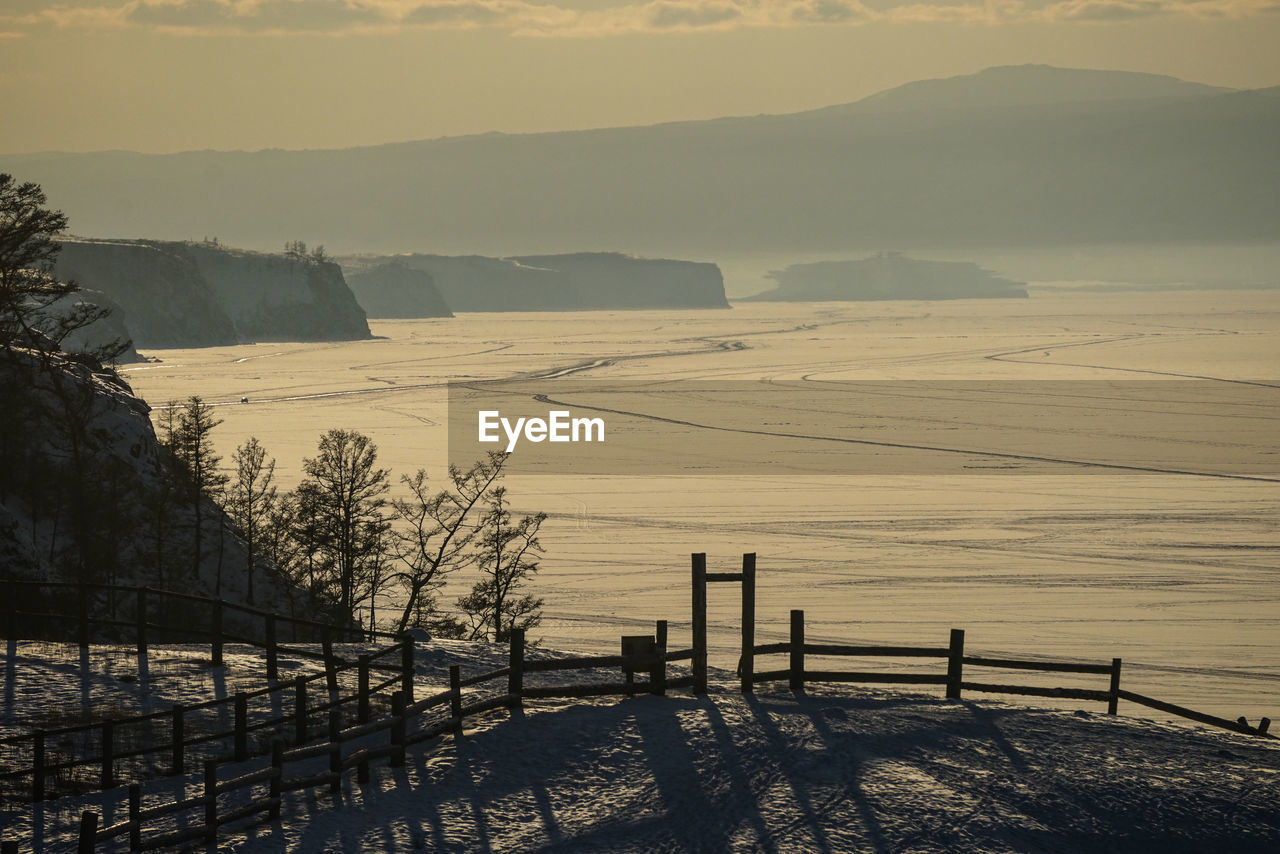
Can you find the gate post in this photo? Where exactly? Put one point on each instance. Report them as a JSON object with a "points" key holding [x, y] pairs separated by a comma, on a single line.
{"points": [[748, 665], [700, 623]]}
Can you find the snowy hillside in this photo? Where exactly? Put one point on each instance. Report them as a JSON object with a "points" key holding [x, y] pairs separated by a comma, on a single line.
{"points": [[836, 770], [82, 496]]}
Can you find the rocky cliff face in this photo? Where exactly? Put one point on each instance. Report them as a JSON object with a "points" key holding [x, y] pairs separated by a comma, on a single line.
{"points": [[395, 289], [279, 297], [574, 282], [163, 296], [614, 280], [196, 295]]}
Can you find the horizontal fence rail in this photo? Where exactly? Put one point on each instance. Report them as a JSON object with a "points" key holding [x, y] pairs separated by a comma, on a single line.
{"points": [[797, 674], [59, 758], [97, 754]]}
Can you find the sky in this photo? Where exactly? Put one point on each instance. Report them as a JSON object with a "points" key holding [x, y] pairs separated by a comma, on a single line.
{"points": [[174, 75]]}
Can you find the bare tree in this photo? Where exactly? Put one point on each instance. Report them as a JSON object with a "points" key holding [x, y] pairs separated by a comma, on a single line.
{"points": [[435, 535]]}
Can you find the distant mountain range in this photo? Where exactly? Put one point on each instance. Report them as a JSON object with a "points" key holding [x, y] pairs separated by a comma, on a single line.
{"points": [[1007, 157]]}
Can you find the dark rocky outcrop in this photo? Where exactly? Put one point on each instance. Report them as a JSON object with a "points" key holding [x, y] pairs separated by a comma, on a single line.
{"points": [[166, 300], [614, 280], [197, 295], [572, 282], [102, 333], [281, 297], [395, 289], [886, 276]]}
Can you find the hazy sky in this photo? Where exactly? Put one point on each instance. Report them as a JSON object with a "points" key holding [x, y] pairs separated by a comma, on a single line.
{"points": [[166, 75]]}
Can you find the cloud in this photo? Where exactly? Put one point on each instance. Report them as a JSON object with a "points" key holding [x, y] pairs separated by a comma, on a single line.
{"points": [[1105, 10], [585, 18], [665, 16], [251, 15]]}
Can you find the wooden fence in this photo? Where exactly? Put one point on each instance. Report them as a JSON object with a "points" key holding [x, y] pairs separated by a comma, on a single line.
{"points": [[797, 674], [409, 722], [352, 748], [87, 756], [101, 748]]}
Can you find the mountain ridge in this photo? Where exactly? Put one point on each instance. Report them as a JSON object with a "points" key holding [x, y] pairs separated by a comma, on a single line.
{"points": [[1159, 169]]}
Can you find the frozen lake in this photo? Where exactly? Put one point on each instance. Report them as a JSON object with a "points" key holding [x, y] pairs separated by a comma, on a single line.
{"points": [[1175, 573]]}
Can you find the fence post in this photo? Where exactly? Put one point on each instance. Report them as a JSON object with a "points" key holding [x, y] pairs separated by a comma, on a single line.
{"points": [[277, 776], [362, 701], [1113, 695], [335, 750], [215, 652], [210, 800], [455, 696], [88, 832], [272, 664], [84, 618], [299, 710], [330, 666], [242, 727], [797, 651], [699, 623], [397, 729], [658, 670], [179, 752], [748, 663], [141, 616], [515, 682], [407, 667], [955, 664], [135, 817], [108, 755]]}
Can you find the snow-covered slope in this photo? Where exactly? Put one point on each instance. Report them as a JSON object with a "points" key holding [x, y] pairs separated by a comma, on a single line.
{"points": [[834, 770]]}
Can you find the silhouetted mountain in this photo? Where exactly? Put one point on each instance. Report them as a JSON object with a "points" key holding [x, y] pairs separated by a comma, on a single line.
{"points": [[1027, 156], [573, 282], [1028, 86], [887, 275]]}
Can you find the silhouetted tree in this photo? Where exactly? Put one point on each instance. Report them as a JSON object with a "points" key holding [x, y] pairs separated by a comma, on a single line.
{"points": [[196, 465], [344, 494], [506, 556], [251, 497], [37, 310]]}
